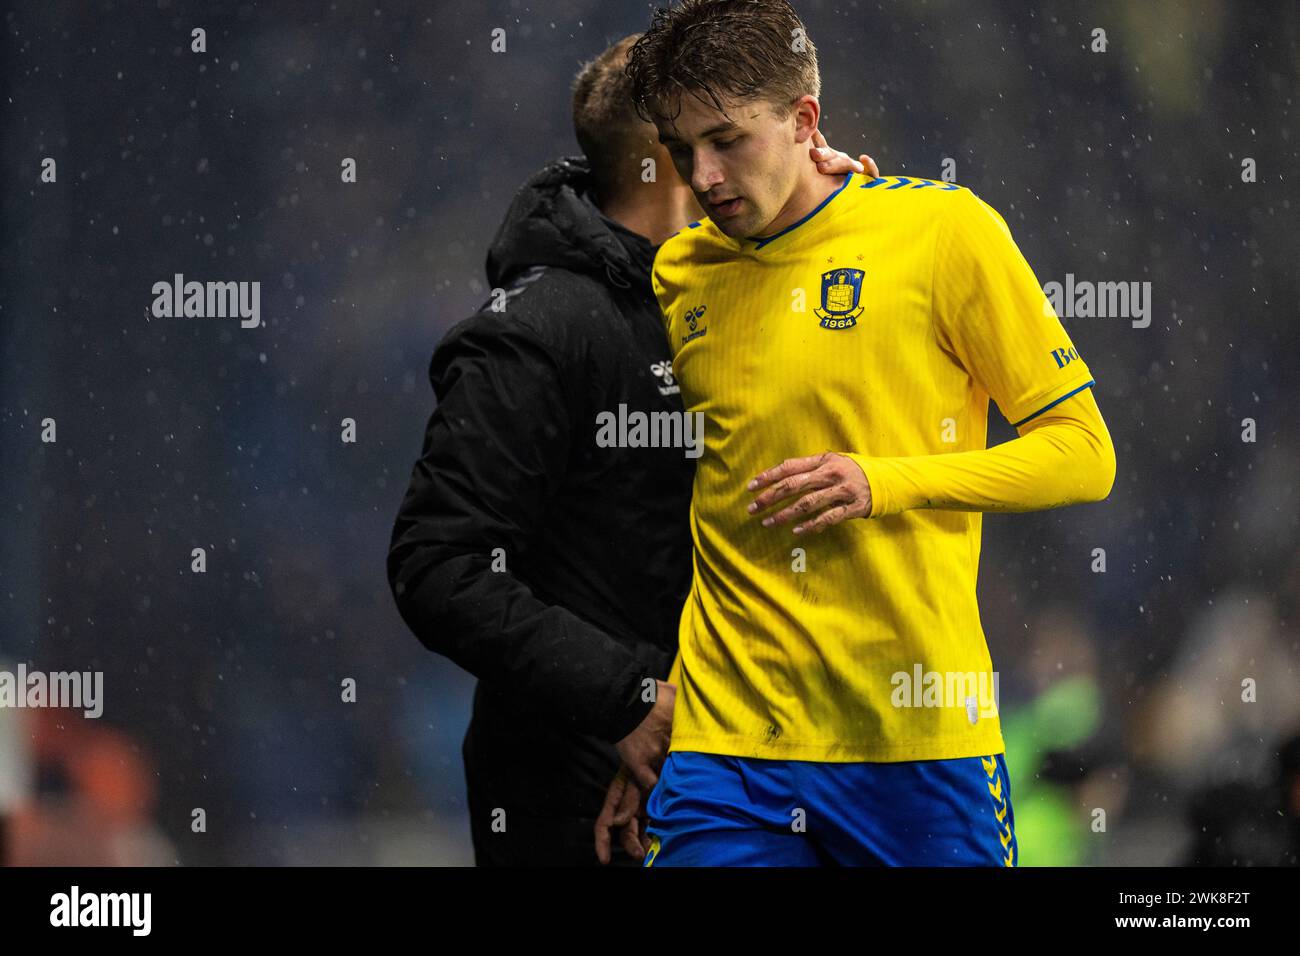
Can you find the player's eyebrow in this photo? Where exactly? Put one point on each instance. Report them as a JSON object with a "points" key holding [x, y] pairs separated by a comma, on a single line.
{"points": [[666, 138]]}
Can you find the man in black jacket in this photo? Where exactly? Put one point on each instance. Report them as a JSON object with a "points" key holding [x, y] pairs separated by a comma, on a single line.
{"points": [[551, 568]]}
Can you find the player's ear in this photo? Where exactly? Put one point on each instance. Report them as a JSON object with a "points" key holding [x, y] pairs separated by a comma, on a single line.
{"points": [[807, 112]]}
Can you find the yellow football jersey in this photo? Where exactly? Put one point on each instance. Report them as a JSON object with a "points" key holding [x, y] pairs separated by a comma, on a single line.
{"points": [[879, 325]]}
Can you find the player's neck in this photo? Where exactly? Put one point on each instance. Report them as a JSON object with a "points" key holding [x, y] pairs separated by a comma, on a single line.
{"points": [[654, 210], [810, 191]]}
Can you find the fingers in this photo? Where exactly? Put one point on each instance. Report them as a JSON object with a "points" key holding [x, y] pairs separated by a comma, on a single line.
{"points": [[605, 820], [839, 163], [824, 520], [643, 775], [833, 163], [837, 494], [631, 840], [791, 466], [830, 161], [788, 487], [628, 805], [622, 810], [800, 483], [835, 483], [818, 151]]}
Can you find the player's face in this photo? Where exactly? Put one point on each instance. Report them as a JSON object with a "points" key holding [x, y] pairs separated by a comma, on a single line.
{"points": [[741, 164]]}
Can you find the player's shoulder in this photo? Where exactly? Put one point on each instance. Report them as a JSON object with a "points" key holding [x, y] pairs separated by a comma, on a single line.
{"points": [[920, 201], [696, 244], [914, 191]]}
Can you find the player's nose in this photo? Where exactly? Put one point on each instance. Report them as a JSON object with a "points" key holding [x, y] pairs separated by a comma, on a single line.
{"points": [[705, 176], [705, 185]]}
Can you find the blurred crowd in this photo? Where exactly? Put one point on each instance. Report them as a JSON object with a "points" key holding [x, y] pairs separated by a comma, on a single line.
{"points": [[1151, 709]]}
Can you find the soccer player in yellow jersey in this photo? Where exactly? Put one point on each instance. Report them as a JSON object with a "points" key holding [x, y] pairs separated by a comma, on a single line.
{"points": [[842, 338]]}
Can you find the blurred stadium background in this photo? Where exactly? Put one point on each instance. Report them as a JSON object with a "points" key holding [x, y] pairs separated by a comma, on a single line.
{"points": [[1120, 690]]}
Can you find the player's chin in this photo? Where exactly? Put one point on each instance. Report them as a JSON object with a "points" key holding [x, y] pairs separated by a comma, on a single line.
{"points": [[737, 227]]}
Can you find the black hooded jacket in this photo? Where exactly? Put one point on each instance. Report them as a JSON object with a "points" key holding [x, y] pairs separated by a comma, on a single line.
{"points": [[552, 569]]}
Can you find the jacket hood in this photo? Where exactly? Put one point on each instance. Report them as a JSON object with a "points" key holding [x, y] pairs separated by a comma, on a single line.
{"points": [[553, 221]]}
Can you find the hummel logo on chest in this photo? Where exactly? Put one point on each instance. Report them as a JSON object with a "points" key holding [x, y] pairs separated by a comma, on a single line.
{"points": [[693, 317]]}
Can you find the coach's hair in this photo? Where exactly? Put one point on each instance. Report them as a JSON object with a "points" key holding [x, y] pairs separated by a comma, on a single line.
{"points": [[613, 136], [741, 49]]}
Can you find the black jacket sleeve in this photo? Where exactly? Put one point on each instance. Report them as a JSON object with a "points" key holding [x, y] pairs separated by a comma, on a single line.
{"points": [[496, 448]]}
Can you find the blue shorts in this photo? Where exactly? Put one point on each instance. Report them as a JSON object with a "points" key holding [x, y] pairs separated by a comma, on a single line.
{"points": [[712, 810]]}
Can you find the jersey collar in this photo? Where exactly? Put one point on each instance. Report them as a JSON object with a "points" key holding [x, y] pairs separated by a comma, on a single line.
{"points": [[760, 241]]}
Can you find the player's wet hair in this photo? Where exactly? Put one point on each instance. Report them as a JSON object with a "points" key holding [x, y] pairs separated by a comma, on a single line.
{"points": [[710, 49], [613, 137]]}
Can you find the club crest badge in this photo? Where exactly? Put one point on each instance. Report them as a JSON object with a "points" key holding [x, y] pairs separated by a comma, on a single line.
{"points": [[841, 290]]}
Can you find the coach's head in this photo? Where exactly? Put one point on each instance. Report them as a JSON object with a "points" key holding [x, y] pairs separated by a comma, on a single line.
{"points": [[732, 87], [614, 137]]}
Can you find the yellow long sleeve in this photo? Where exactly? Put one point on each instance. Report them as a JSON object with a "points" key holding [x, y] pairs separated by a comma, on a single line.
{"points": [[1063, 456], [675, 673]]}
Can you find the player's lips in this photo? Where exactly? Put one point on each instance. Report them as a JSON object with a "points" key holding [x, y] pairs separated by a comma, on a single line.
{"points": [[727, 207]]}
